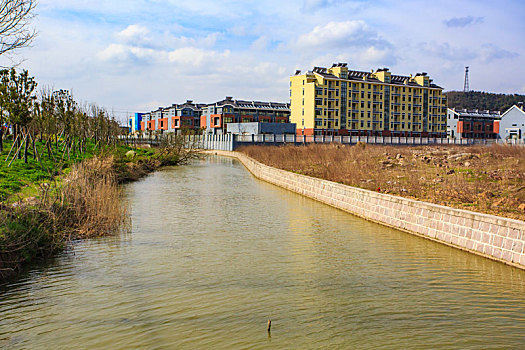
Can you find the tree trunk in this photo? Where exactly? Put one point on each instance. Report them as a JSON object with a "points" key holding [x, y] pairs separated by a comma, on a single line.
{"points": [[18, 131], [26, 146], [34, 146], [1, 138]]}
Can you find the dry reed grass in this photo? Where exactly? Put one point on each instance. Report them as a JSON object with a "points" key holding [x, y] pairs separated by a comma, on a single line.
{"points": [[87, 203], [485, 179]]}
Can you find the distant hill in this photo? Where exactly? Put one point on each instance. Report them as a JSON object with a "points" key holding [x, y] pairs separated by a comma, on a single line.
{"points": [[482, 100]]}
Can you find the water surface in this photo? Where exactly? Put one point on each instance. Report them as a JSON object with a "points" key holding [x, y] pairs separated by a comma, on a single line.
{"points": [[214, 253]]}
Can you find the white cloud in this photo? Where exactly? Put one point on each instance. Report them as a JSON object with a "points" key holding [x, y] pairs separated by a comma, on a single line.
{"points": [[206, 41], [134, 34], [463, 21], [195, 57], [131, 54], [238, 30], [260, 44], [313, 5], [377, 56], [339, 35], [490, 52], [132, 49], [347, 41], [449, 52], [485, 53]]}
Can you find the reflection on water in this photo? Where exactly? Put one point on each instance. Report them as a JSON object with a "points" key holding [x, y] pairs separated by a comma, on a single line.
{"points": [[214, 253]]}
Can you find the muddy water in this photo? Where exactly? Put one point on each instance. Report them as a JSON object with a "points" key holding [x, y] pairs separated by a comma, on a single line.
{"points": [[214, 253]]}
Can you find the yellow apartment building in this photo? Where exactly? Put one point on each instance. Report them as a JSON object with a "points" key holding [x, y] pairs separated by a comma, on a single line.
{"points": [[339, 101]]}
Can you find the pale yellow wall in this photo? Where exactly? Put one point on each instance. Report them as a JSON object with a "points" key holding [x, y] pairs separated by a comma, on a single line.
{"points": [[302, 91], [365, 99]]}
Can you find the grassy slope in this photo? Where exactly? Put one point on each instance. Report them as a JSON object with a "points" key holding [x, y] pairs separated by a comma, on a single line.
{"points": [[19, 175], [22, 179]]}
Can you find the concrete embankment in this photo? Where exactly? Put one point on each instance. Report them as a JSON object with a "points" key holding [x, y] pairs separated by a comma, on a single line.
{"points": [[490, 236]]}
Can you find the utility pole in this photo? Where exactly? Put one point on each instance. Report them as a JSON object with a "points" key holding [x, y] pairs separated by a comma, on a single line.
{"points": [[466, 87]]}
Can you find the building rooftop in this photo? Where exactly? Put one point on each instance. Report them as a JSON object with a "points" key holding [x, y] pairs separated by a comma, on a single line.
{"points": [[476, 113], [355, 75], [252, 104]]}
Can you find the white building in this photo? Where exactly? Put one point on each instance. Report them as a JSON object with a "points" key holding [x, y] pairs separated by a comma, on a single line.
{"points": [[512, 124]]}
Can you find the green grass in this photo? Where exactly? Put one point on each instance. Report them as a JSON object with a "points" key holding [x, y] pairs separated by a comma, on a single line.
{"points": [[23, 179]]}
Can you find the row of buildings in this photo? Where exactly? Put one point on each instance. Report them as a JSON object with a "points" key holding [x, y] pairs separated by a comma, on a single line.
{"points": [[339, 101], [213, 117]]}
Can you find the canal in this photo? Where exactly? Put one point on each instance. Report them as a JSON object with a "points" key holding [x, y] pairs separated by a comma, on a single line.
{"points": [[214, 253]]}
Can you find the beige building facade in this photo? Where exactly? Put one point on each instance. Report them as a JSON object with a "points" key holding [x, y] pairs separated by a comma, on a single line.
{"points": [[339, 101]]}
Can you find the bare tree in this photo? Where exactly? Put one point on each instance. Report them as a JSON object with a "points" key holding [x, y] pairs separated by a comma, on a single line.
{"points": [[15, 29]]}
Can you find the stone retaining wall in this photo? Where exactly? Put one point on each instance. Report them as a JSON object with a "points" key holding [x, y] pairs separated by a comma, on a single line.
{"points": [[487, 235]]}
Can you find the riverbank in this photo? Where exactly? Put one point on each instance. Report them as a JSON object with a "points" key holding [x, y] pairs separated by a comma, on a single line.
{"points": [[488, 180], [490, 236], [81, 201]]}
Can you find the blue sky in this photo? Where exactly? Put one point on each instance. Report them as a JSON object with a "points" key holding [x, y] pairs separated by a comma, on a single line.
{"points": [[136, 55]]}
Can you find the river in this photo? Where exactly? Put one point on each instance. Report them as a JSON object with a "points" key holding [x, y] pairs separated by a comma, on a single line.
{"points": [[214, 253]]}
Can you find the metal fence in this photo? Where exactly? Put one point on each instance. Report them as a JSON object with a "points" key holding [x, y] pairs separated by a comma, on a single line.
{"points": [[229, 142]]}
